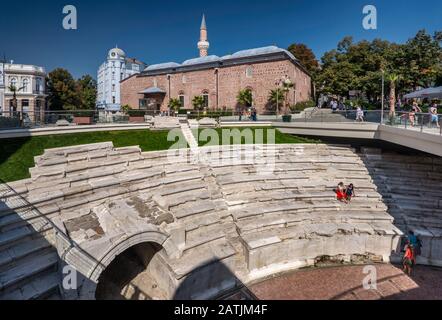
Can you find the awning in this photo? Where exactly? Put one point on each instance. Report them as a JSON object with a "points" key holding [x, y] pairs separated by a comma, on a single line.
{"points": [[425, 93], [152, 90]]}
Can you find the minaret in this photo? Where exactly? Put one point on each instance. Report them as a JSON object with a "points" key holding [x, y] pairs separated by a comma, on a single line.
{"points": [[203, 44]]}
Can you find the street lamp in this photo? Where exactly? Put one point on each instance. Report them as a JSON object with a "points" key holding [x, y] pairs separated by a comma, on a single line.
{"points": [[277, 84], [383, 93]]}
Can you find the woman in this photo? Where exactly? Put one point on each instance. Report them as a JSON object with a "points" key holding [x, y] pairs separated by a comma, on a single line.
{"points": [[359, 114], [340, 192], [412, 115], [434, 117]]}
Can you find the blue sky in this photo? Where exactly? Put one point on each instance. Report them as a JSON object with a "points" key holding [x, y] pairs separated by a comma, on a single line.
{"points": [[160, 31]]}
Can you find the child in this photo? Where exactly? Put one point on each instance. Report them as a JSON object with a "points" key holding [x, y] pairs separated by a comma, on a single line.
{"points": [[350, 192], [408, 261], [340, 192]]}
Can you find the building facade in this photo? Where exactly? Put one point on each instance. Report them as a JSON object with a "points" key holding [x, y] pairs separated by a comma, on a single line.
{"points": [[116, 68], [218, 79], [29, 82]]}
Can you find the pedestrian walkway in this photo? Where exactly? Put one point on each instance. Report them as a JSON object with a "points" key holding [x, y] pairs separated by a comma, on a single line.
{"points": [[190, 138], [346, 283]]}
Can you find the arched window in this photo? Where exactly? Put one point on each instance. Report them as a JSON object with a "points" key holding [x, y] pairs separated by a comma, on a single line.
{"points": [[249, 72], [13, 83], [25, 84], [38, 86], [181, 98], [206, 98]]}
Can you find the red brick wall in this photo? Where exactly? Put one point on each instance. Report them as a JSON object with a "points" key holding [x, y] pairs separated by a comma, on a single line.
{"points": [[231, 81]]}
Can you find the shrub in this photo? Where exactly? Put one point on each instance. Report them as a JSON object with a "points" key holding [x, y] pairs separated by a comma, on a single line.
{"points": [[83, 113], [136, 113], [301, 106]]}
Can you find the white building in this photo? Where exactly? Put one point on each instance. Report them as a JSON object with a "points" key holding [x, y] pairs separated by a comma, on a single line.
{"points": [[29, 82], [116, 68]]}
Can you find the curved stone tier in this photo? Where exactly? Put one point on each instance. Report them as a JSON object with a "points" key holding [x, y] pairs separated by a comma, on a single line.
{"points": [[221, 223]]}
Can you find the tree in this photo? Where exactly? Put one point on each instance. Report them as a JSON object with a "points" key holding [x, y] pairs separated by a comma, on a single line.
{"points": [[392, 79], [175, 104], [62, 90], [245, 98], [14, 91], [198, 103], [276, 98], [422, 59], [87, 92], [305, 56]]}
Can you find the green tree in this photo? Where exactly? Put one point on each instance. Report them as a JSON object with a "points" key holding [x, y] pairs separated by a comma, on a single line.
{"points": [[305, 56], [245, 98], [276, 98], [198, 102], [175, 104], [392, 79], [62, 93], [422, 59], [87, 92]]}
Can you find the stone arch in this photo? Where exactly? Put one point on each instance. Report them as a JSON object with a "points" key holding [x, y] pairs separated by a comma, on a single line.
{"points": [[151, 236]]}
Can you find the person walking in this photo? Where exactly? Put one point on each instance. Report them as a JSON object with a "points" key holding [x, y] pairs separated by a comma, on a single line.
{"points": [[409, 260], [434, 117], [412, 115], [359, 114]]}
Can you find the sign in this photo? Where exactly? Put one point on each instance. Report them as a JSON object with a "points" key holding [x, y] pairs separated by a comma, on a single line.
{"points": [[2, 74]]}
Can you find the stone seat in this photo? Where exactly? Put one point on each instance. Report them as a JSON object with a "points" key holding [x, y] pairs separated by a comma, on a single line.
{"points": [[271, 220], [208, 253]]}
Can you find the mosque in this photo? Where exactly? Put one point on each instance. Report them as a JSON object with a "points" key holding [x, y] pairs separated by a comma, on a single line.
{"points": [[217, 79]]}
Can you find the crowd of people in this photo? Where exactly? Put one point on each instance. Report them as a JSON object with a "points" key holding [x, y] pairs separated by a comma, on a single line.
{"points": [[250, 114]]}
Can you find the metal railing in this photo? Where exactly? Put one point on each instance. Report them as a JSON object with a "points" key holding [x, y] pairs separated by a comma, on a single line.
{"points": [[423, 122]]}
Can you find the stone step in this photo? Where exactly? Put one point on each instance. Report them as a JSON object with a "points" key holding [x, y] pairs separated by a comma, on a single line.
{"points": [[206, 254], [27, 269], [22, 250], [44, 287], [10, 237]]}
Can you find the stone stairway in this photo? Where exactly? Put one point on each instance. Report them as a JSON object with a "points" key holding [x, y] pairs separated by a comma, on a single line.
{"points": [[323, 115], [411, 188], [190, 138], [28, 260]]}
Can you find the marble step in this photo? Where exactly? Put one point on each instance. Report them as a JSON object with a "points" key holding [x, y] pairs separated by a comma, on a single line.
{"points": [[44, 287], [22, 250], [27, 269]]}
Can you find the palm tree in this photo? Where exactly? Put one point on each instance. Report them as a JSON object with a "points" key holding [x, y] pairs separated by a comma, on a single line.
{"points": [[14, 91], [198, 103], [392, 78], [245, 98], [175, 104], [276, 97]]}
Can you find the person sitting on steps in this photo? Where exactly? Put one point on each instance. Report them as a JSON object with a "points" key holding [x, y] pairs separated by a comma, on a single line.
{"points": [[350, 192], [340, 192]]}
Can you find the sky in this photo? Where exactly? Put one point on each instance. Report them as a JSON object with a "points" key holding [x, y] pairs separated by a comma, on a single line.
{"points": [[31, 32]]}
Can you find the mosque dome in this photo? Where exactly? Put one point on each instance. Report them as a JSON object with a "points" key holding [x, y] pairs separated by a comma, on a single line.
{"points": [[116, 53]]}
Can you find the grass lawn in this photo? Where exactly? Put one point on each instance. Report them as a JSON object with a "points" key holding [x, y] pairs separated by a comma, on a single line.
{"points": [[280, 138], [17, 154]]}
